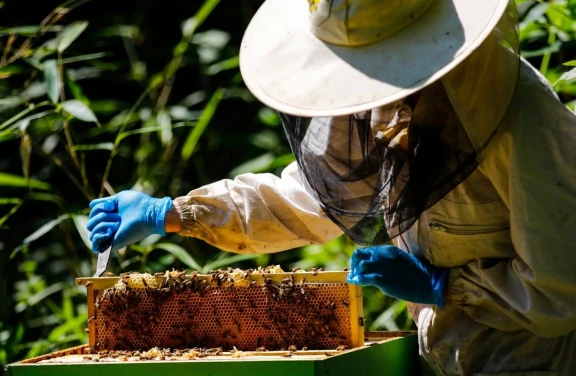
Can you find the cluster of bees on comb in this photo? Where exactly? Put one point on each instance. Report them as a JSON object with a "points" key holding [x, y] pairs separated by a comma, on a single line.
{"points": [[229, 310]]}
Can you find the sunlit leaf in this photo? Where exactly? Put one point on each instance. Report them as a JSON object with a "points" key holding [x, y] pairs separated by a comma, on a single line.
{"points": [[180, 253], [69, 34], [550, 49], [258, 164], [81, 221], [9, 201], [568, 77], [27, 31], [190, 25], [227, 64], [10, 213], [164, 122], [52, 79], [205, 118], [387, 319], [9, 180], [75, 59], [25, 154], [123, 135], [80, 111], [226, 261], [101, 146], [36, 298], [23, 113], [44, 229], [571, 63]]}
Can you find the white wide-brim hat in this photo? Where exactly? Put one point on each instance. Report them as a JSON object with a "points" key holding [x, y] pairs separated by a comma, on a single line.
{"points": [[337, 57]]}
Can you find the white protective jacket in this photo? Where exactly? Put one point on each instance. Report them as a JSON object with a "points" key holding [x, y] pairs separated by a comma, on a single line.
{"points": [[508, 233]]}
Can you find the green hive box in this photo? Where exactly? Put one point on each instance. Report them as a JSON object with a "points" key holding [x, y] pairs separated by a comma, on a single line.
{"points": [[385, 353]]}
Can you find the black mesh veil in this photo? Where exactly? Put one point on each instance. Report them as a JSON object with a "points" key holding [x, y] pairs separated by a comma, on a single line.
{"points": [[375, 172]]}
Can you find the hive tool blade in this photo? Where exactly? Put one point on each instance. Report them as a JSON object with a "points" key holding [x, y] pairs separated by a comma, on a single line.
{"points": [[102, 262]]}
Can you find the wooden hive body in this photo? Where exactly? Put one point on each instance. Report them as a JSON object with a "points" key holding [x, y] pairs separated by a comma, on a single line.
{"points": [[270, 310]]}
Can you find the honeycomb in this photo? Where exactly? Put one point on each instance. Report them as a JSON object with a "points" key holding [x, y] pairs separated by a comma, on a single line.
{"points": [[229, 310]]}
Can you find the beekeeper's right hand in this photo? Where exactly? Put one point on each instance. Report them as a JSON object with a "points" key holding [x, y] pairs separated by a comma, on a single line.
{"points": [[126, 218]]}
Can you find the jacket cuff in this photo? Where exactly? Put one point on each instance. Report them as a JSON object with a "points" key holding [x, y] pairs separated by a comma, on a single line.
{"points": [[188, 223]]}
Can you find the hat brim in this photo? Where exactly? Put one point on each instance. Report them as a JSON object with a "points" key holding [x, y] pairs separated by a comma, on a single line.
{"points": [[290, 70]]}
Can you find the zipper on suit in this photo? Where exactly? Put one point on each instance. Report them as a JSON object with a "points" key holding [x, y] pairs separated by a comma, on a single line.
{"points": [[435, 226]]}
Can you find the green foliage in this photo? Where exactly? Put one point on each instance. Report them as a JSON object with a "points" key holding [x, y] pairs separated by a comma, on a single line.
{"points": [[95, 99]]}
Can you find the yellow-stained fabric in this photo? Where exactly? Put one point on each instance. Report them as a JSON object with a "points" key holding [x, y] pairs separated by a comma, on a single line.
{"points": [[361, 22]]}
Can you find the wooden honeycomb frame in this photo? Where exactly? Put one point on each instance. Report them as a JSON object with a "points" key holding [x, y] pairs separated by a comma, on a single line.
{"points": [[350, 314]]}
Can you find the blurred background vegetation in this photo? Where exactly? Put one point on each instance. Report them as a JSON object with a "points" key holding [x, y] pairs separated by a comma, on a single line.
{"points": [[98, 96]]}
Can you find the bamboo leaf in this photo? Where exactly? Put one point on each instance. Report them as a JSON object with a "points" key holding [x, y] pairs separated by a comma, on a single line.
{"points": [[52, 79], [69, 34], [44, 229], [80, 111], [164, 122], [27, 31], [21, 114], [227, 261], [569, 76], [101, 146], [190, 25], [12, 211], [123, 135], [180, 253], [25, 154], [205, 118], [9, 180], [232, 63], [75, 59], [34, 299], [80, 221], [9, 200]]}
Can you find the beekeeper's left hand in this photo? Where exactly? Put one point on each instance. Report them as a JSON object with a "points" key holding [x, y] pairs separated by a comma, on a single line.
{"points": [[398, 274]]}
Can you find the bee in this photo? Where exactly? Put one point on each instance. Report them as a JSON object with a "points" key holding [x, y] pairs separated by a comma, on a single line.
{"points": [[218, 322], [86, 330], [361, 321], [159, 275], [226, 333], [91, 319], [261, 349], [346, 269], [248, 273], [292, 348], [287, 355], [294, 270], [108, 274], [304, 348], [345, 302], [341, 348], [237, 324], [89, 283]]}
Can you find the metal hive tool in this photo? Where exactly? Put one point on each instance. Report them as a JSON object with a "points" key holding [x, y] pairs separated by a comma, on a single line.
{"points": [[274, 311]]}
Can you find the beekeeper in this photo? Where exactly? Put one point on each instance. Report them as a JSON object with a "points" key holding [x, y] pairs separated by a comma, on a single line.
{"points": [[417, 122]]}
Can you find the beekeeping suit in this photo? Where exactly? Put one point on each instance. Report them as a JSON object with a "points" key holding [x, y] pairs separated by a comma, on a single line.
{"points": [[506, 230], [430, 132]]}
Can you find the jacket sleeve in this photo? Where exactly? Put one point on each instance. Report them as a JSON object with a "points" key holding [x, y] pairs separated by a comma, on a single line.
{"points": [[256, 213], [532, 164]]}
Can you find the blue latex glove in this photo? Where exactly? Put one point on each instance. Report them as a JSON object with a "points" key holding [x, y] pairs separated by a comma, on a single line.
{"points": [[125, 218], [398, 274]]}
